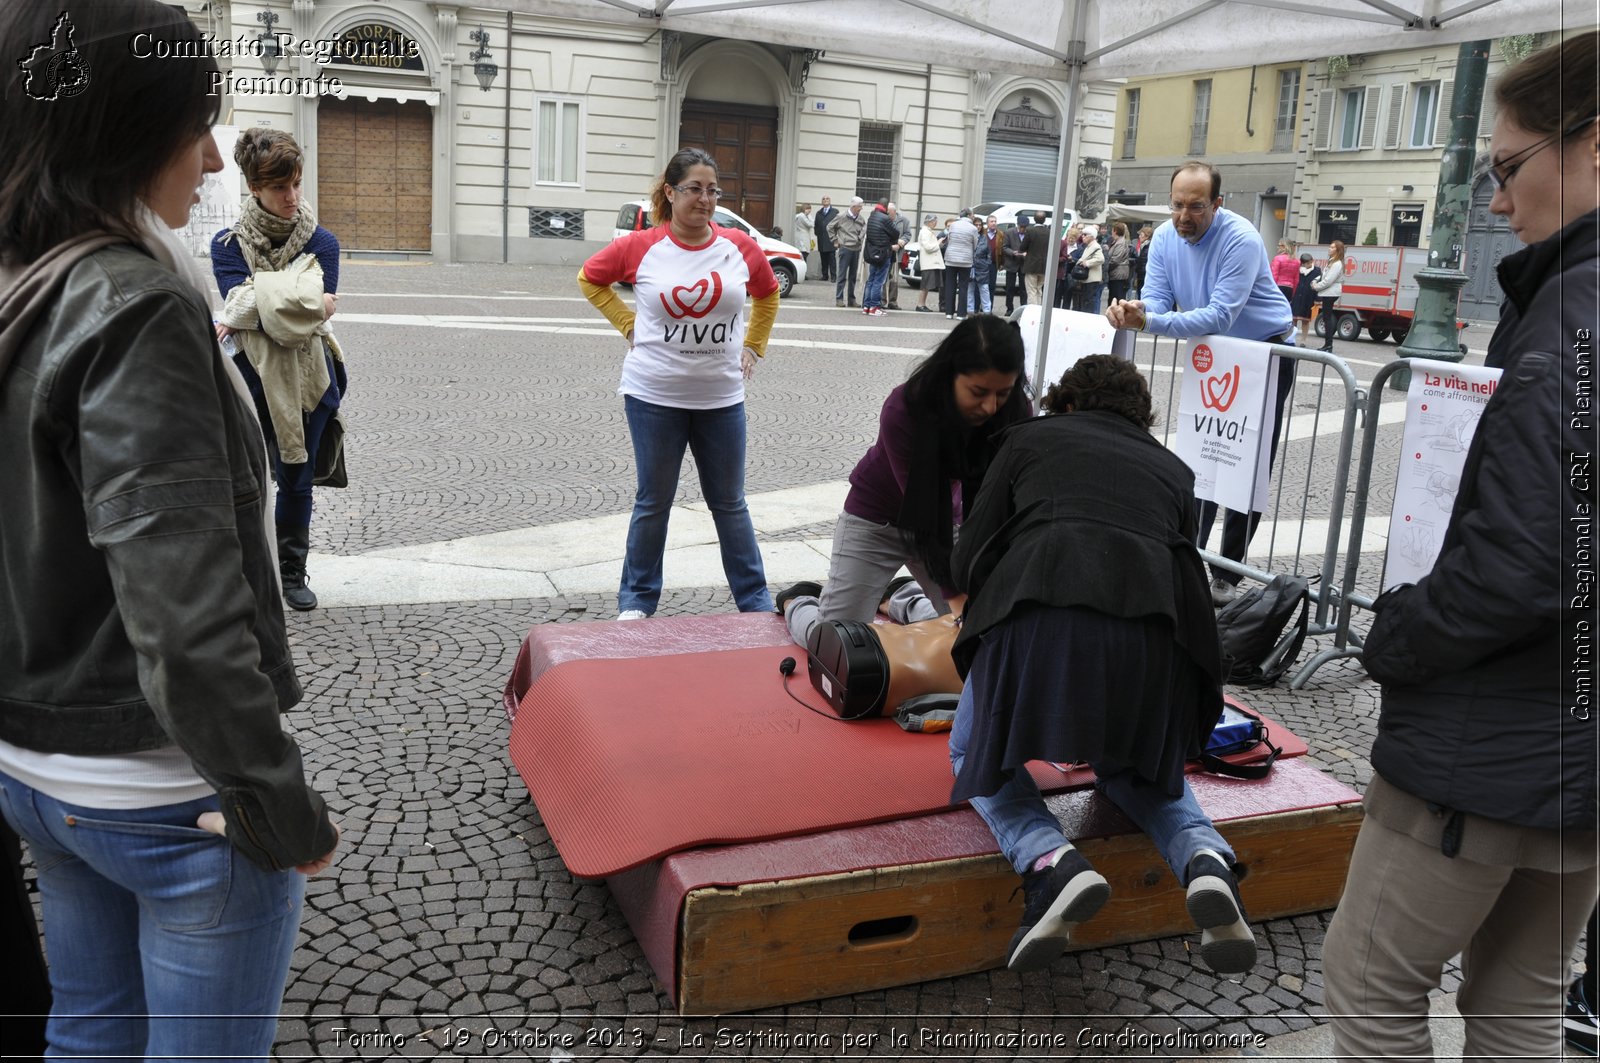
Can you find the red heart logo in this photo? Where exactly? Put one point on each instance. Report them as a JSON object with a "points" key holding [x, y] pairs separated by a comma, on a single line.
{"points": [[694, 300], [1218, 392]]}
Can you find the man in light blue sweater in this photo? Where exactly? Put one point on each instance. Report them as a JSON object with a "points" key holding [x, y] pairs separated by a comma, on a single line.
{"points": [[1213, 264]]}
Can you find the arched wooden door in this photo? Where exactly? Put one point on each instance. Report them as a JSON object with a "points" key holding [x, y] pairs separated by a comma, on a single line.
{"points": [[744, 141], [375, 173]]}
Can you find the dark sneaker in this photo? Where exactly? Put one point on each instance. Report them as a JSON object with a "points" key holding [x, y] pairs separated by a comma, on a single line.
{"points": [[804, 589], [1580, 1024], [1226, 943], [1056, 900]]}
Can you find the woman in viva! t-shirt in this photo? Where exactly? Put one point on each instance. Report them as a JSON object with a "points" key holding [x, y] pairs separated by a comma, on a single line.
{"points": [[689, 354]]}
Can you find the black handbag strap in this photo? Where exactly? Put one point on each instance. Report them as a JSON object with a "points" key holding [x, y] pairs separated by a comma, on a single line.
{"points": [[1256, 770]]}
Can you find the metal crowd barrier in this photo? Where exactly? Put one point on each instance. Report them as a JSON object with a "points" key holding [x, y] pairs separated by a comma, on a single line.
{"points": [[1345, 642], [1290, 506]]}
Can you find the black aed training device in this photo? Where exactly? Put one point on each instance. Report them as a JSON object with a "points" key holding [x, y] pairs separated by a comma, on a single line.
{"points": [[848, 667]]}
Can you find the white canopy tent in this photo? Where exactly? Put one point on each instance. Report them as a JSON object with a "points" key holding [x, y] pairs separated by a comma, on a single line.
{"points": [[1120, 38], [1077, 40]]}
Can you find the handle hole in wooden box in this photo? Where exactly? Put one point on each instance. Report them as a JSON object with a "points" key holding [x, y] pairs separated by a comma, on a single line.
{"points": [[892, 930]]}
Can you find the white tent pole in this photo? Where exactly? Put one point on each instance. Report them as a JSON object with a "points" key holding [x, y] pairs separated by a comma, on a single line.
{"points": [[741, 5], [1459, 10], [1386, 15], [1075, 49], [1151, 30], [1410, 18], [632, 9], [993, 31]]}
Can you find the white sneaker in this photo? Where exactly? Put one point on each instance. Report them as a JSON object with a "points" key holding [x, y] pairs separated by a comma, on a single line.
{"points": [[633, 614], [1222, 592]]}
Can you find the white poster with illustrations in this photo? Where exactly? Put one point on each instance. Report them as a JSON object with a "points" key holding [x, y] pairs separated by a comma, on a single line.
{"points": [[1073, 335], [1442, 410], [1225, 420], [220, 198]]}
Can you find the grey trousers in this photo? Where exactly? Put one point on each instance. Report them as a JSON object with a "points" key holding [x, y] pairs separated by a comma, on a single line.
{"points": [[865, 557], [1408, 908]]}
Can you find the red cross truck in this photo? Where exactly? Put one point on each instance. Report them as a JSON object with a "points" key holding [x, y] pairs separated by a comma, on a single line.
{"points": [[1380, 290]]}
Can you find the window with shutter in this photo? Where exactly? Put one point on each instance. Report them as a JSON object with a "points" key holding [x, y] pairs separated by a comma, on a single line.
{"points": [[558, 129], [1447, 102], [1130, 132], [1369, 116], [1322, 139], [1202, 117], [1424, 114], [1487, 113], [1350, 102], [1396, 116], [1288, 106]]}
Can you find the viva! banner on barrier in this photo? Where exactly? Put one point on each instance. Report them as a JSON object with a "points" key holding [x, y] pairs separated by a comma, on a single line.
{"points": [[1443, 405], [1225, 420]]}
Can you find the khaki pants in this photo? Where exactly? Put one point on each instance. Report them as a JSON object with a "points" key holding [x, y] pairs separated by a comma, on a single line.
{"points": [[891, 285], [1408, 908], [1034, 282]]}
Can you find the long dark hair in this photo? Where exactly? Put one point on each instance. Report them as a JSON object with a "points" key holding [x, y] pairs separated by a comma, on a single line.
{"points": [[88, 127], [677, 166], [943, 446]]}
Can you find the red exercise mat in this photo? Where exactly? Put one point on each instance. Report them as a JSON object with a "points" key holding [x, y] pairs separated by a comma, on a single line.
{"points": [[629, 760]]}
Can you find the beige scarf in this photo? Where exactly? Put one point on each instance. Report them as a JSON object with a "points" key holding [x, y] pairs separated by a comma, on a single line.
{"points": [[267, 241]]}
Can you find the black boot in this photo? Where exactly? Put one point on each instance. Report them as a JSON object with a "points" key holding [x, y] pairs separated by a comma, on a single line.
{"points": [[293, 545]]}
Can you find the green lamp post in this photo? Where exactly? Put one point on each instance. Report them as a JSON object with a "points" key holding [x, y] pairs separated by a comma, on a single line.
{"points": [[1433, 329]]}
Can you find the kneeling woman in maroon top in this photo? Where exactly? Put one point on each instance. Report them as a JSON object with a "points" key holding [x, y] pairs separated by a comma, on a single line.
{"points": [[936, 434]]}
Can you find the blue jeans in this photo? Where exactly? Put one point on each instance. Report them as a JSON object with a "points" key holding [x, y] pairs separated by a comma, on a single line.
{"points": [[872, 295], [980, 292], [152, 923], [716, 438], [1025, 830], [293, 508]]}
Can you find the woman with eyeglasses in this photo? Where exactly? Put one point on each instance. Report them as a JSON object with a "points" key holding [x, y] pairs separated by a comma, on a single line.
{"points": [[690, 351], [1480, 831]]}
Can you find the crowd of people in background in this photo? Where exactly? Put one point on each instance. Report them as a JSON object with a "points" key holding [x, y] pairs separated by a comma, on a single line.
{"points": [[967, 262]]}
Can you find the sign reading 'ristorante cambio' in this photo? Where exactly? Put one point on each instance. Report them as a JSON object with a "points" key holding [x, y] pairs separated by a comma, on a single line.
{"points": [[377, 47]]}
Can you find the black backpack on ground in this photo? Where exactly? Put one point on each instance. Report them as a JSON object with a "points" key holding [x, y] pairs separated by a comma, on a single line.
{"points": [[1256, 648]]}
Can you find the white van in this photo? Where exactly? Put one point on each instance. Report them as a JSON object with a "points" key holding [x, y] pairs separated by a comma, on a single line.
{"points": [[788, 264]]}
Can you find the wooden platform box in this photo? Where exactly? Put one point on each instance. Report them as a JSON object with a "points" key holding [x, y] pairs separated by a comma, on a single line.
{"points": [[743, 927]]}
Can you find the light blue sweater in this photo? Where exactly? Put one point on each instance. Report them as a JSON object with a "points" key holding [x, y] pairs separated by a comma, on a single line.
{"points": [[1223, 284]]}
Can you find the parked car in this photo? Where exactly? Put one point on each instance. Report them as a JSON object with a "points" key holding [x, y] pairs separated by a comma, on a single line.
{"points": [[1005, 214], [787, 263]]}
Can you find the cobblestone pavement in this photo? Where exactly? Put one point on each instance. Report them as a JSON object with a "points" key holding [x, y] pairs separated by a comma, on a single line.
{"points": [[449, 926]]}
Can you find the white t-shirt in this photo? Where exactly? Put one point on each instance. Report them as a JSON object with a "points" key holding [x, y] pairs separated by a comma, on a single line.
{"points": [[689, 307]]}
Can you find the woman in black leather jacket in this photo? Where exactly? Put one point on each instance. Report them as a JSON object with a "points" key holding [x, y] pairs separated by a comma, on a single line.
{"points": [[143, 659], [1479, 837]]}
